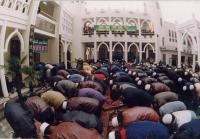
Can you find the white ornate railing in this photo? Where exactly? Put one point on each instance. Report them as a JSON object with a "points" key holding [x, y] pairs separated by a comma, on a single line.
{"points": [[21, 6]]}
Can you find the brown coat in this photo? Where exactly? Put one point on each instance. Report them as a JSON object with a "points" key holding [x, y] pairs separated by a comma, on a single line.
{"points": [[53, 98], [36, 105], [85, 104], [139, 114], [91, 84], [63, 73], [159, 87], [164, 97], [68, 130]]}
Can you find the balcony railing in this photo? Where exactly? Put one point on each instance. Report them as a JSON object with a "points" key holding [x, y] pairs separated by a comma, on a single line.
{"points": [[147, 32], [20, 6], [45, 24], [47, 15]]}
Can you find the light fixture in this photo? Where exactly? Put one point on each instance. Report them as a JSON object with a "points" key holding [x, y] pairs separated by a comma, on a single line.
{"points": [[44, 2]]}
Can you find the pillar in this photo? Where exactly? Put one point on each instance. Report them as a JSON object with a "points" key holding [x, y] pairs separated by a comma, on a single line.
{"points": [[95, 51], [179, 47], [156, 50], [140, 53], [193, 61], [2, 74], [179, 58], [147, 52], [126, 52], [65, 59], [110, 52]]}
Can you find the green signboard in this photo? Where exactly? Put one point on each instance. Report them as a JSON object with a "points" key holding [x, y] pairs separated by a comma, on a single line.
{"points": [[131, 28], [118, 28], [40, 45], [115, 28], [102, 28]]}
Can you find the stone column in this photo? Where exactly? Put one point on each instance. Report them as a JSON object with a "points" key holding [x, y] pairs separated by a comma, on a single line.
{"points": [[179, 47], [65, 54], [126, 53], [193, 62], [95, 51], [140, 53], [147, 52], [110, 51], [2, 72]]}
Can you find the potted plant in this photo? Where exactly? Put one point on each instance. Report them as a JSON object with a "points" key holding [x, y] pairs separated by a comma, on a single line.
{"points": [[31, 77], [13, 69]]}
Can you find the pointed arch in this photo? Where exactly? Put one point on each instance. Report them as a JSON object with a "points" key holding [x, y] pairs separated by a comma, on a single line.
{"points": [[187, 34], [120, 20], [104, 19], [69, 47], [149, 23], [118, 43], [13, 34], [132, 20], [135, 45], [88, 20], [148, 44], [103, 43]]}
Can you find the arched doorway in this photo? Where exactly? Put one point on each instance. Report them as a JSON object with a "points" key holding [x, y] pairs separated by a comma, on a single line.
{"points": [[69, 57], [15, 48], [133, 54], [118, 53], [103, 53], [148, 53], [13, 51], [62, 53]]}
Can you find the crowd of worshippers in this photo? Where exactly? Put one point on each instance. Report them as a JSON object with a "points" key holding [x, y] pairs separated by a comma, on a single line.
{"points": [[161, 103]]}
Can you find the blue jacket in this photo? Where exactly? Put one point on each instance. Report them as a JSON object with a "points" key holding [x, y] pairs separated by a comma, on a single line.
{"points": [[192, 128], [76, 78], [136, 97], [147, 130]]}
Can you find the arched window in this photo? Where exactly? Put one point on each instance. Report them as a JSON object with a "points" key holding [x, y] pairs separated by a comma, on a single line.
{"points": [[147, 27], [88, 28]]}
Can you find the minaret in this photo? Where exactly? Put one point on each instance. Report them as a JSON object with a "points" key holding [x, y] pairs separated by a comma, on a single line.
{"points": [[145, 8], [77, 46], [154, 11]]}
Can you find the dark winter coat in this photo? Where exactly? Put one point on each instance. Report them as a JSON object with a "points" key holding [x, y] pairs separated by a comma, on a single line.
{"points": [[147, 130], [136, 97], [20, 120], [84, 119]]}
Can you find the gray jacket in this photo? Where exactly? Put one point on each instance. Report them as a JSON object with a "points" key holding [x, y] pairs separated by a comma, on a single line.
{"points": [[171, 107]]}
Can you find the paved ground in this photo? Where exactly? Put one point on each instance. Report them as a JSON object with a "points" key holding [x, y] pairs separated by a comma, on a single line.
{"points": [[5, 129]]}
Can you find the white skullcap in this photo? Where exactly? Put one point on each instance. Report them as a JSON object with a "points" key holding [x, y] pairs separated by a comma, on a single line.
{"points": [[129, 72], [115, 122], [137, 79], [180, 79], [4, 104], [111, 82], [43, 127], [167, 119], [82, 79], [111, 135], [147, 87], [186, 73], [64, 105], [184, 88], [191, 87], [134, 73], [154, 74], [139, 82]]}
